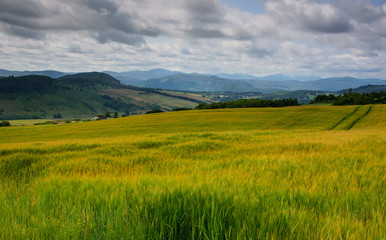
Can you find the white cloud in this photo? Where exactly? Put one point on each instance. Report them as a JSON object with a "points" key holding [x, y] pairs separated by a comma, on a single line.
{"points": [[293, 37]]}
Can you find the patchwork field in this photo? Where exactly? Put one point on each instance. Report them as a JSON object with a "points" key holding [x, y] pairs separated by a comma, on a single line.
{"points": [[312, 172]]}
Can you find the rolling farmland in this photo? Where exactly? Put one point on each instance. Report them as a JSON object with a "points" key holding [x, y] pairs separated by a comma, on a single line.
{"points": [[310, 172]]}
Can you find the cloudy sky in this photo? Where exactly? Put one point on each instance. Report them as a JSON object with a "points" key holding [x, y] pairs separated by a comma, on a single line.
{"points": [[260, 37]]}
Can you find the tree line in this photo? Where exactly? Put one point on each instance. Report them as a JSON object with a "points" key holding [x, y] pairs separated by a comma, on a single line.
{"points": [[250, 103], [352, 98]]}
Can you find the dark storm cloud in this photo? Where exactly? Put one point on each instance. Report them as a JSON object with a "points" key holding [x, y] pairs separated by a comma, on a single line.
{"points": [[191, 19], [327, 25], [26, 9], [19, 17], [360, 11], [310, 16], [205, 33], [116, 36], [187, 19], [257, 52], [102, 6], [205, 11], [31, 19], [22, 32]]}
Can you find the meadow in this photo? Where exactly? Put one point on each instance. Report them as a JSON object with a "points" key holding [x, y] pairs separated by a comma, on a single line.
{"points": [[309, 172]]}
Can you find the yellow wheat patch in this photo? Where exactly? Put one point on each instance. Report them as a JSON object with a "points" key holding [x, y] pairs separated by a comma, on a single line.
{"points": [[233, 173]]}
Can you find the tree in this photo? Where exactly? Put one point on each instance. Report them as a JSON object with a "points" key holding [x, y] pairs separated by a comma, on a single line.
{"points": [[359, 99], [248, 103], [108, 115], [116, 115], [4, 124], [154, 111]]}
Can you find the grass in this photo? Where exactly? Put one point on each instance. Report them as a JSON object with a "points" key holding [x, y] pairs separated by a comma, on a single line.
{"points": [[220, 174], [308, 118], [348, 121], [24, 122]]}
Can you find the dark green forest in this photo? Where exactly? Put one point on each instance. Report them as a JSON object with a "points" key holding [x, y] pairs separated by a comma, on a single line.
{"points": [[250, 103], [352, 98]]}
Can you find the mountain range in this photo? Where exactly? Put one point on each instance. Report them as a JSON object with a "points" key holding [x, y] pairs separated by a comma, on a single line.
{"points": [[48, 73], [194, 82], [174, 80]]}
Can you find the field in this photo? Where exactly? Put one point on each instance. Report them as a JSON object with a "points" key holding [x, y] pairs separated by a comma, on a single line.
{"points": [[23, 122], [311, 172]]}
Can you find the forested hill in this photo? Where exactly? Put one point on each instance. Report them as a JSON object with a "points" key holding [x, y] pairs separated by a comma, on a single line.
{"points": [[92, 79], [366, 89], [80, 95], [28, 84]]}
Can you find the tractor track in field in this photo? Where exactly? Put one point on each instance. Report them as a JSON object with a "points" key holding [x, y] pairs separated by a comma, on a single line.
{"points": [[361, 117], [344, 118], [351, 124]]}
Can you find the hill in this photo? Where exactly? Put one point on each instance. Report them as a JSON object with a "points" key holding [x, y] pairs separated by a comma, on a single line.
{"points": [[199, 82], [28, 84], [94, 80], [366, 89], [143, 75], [281, 77], [326, 84], [165, 79], [336, 84], [81, 96], [311, 172], [193, 82], [160, 73], [48, 73]]}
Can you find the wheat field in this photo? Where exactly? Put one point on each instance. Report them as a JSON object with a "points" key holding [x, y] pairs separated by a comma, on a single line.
{"points": [[309, 172]]}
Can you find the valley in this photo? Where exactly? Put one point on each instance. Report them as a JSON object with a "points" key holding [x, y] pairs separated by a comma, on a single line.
{"points": [[81, 96]]}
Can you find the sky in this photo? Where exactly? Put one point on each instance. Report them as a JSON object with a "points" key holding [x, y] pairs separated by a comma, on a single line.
{"points": [[260, 37]]}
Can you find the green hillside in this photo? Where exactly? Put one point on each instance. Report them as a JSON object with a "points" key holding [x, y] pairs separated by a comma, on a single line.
{"points": [[272, 173], [80, 96], [366, 89], [93, 80]]}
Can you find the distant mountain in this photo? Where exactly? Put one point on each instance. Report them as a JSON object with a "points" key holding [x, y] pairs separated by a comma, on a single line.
{"points": [[305, 78], [136, 76], [336, 84], [235, 76], [275, 86], [192, 82], [165, 79], [281, 77], [127, 80], [199, 82], [81, 96], [327, 84], [366, 89], [48, 73]]}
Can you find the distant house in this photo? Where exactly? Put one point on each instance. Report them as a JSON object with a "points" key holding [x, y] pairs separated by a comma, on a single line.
{"points": [[98, 117]]}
